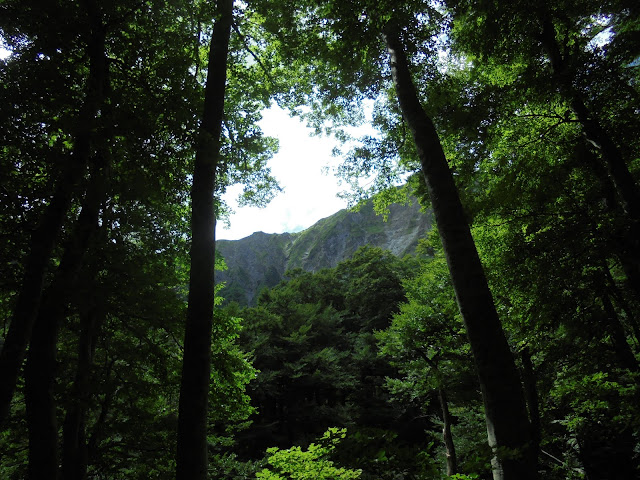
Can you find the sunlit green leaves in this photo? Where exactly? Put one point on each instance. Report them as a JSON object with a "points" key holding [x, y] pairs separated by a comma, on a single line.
{"points": [[312, 464]]}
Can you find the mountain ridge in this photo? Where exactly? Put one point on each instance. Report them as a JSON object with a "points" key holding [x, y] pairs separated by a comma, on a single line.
{"points": [[262, 259]]}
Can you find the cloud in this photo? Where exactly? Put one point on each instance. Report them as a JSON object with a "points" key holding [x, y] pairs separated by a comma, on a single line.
{"points": [[309, 194]]}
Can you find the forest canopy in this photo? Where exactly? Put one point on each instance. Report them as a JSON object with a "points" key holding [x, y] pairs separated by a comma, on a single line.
{"points": [[507, 347]]}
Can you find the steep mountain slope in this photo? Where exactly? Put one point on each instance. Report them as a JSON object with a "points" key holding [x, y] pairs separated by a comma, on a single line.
{"points": [[261, 260]]}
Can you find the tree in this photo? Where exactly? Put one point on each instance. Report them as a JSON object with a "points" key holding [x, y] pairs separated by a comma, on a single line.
{"points": [[507, 421], [192, 456], [126, 210], [568, 52], [549, 210], [41, 358], [523, 134], [44, 238], [426, 342], [312, 340]]}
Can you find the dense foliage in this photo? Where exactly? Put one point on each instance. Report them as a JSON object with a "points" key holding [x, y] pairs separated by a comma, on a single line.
{"points": [[312, 341], [516, 123]]}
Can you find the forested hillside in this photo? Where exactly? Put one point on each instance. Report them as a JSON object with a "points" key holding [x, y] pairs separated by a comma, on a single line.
{"points": [[261, 260], [507, 346]]}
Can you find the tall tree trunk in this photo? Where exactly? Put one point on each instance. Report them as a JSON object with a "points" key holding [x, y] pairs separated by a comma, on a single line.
{"points": [[531, 395], [39, 385], [192, 452], [616, 167], [624, 242], [98, 431], [44, 237], [594, 132], [618, 296], [74, 445], [618, 336], [505, 411], [41, 359]]}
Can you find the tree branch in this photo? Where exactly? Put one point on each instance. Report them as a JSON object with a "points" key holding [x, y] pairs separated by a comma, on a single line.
{"points": [[252, 53]]}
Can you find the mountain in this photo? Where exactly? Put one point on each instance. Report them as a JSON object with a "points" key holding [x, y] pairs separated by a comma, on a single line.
{"points": [[261, 259]]}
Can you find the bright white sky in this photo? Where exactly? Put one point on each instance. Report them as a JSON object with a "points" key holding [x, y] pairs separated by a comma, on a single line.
{"points": [[308, 194]]}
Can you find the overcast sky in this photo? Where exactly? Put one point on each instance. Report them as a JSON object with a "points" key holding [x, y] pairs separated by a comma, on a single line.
{"points": [[308, 195]]}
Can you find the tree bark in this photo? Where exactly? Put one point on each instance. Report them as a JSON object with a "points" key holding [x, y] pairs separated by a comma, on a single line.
{"points": [[41, 359], [74, 446], [450, 449], [98, 432], [619, 298], [618, 336], [192, 455], [593, 131], [44, 237], [531, 394], [505, 411], [616, 166]]}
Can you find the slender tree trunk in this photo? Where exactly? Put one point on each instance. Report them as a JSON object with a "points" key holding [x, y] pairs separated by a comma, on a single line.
{"points": [[39, 384], [618, 296], [450, 449], [44, 237], [531, 394], [624, 242], [192, 452], [618, 336], [98, 428], [615, 163], [74, 446], [505, 411], [593, 131], [41, 412], [41, 359], [447, 437]]}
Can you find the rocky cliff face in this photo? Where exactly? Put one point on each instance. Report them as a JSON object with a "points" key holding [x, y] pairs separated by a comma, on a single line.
{"points": [[262, 259]]}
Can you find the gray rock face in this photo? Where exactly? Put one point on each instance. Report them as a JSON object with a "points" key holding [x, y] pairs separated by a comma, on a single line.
{"points": [[261, 260]]}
